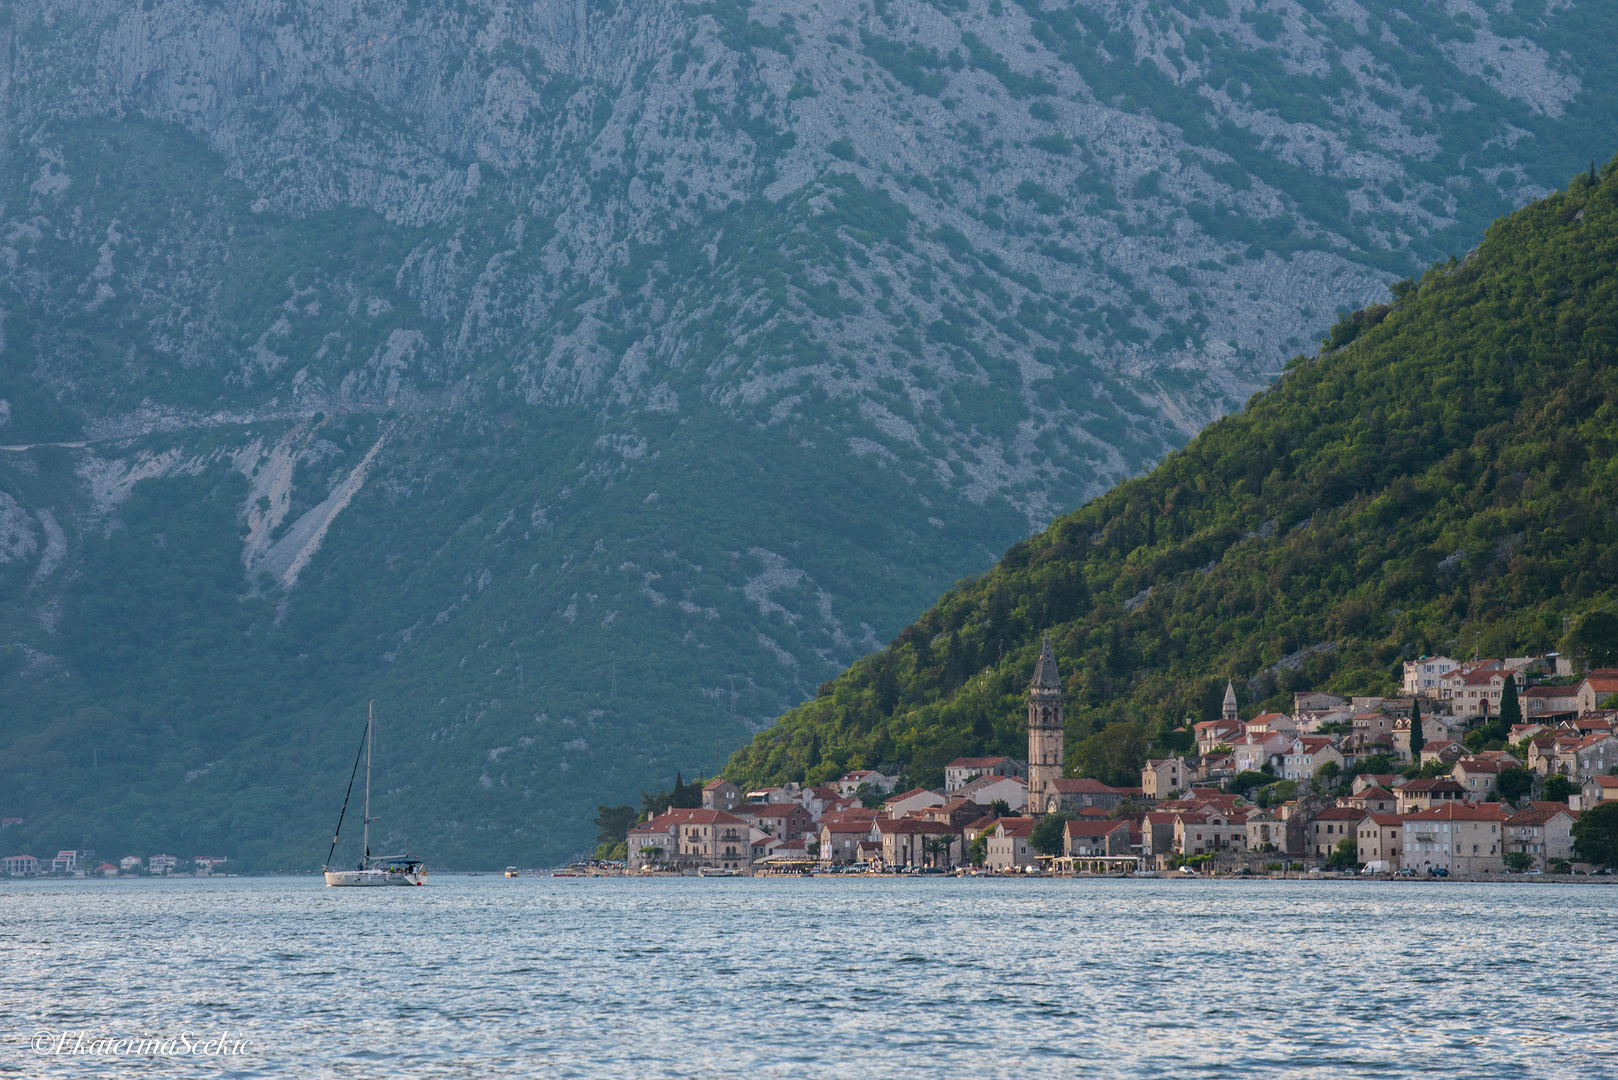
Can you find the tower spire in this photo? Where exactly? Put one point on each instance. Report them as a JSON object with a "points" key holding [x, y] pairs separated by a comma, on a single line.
{"points": [[1229, 711], [1046, 677]]}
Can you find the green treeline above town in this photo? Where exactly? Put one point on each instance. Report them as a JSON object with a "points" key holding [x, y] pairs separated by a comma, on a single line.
{"points": [[1440, 478]]}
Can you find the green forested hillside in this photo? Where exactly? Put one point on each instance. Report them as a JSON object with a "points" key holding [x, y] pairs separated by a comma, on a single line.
{"points": [[1440, 478]]}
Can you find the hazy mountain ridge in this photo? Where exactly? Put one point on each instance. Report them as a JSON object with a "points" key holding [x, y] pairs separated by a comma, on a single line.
{"points": [[694, 343]]}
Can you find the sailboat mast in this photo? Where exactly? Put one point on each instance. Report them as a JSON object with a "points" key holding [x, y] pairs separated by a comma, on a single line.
{"points": [[370, 724]]}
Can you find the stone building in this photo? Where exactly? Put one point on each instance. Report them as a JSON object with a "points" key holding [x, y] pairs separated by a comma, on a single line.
{"points": [[1461, 837], [1045, 732]]}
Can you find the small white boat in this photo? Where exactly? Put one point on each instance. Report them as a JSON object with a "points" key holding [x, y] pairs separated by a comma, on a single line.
{"points": [[717, 871], [371, 871], [383, 872]]}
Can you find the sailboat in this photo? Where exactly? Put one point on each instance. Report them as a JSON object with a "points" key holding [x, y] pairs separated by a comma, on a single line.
{"points": [[382, 870]]}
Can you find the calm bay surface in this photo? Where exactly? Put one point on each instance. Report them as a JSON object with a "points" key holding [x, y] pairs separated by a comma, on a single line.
{"points": [[483, 976]]}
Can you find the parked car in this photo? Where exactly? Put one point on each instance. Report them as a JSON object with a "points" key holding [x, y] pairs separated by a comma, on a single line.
{"points": [[1438, 871], [1408, 871]]}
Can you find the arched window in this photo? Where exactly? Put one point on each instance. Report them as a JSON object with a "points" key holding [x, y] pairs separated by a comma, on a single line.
{"points": [[1044, 716]]}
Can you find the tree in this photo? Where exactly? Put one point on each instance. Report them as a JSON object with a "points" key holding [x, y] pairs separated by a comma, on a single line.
{"points": [[1510, 707], [1513, 784], [1557, 788], [1000, 808], [1244, 782], [613, 823], [1048, 836], [686, 796], [1345, 856], [1595, 639], [939, 845], [1417, 739], [979, 850], [1328, 773], [1517, 861], [1175, 742], [1595, 834], [1113, 755]]}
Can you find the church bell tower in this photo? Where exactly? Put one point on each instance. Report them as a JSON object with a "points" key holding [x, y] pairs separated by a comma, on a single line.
{"points": [[1045, 733]]}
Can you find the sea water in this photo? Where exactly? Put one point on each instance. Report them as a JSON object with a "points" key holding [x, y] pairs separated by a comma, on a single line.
{"points": [[826, 977]]}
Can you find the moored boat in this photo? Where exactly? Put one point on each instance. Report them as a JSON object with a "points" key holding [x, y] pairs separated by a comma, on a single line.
{"points": [[372, 870]]}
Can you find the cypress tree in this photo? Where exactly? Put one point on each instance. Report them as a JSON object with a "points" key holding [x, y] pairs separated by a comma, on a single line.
{"points": [[1417, 741], [1510, 709]]}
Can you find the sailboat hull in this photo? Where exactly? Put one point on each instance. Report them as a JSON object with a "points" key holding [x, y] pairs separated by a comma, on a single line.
{"points": [[373, 878]]}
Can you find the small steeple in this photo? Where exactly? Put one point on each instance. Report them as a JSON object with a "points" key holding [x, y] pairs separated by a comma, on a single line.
{"points": [[1230, 700], [1045, 674]]}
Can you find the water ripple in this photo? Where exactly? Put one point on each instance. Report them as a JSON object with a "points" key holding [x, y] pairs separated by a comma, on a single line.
{"points": [[823, 978]]}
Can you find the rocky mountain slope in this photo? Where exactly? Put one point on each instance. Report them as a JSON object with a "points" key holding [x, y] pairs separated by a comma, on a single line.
{"points": [[590, 382]]}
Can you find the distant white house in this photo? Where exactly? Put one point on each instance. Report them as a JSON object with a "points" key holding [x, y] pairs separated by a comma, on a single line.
{"points": [[161, 864], [914, 799], [1422, 675], [19, 865], [987, 790], [129, 863], [962, 771]]}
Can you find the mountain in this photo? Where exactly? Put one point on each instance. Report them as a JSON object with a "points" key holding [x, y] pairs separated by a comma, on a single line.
{"points": [[588, 383], [1439, 481]]}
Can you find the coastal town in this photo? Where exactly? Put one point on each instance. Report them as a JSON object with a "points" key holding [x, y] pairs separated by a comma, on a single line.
{"points": [[1481, 767], [81, 863]]}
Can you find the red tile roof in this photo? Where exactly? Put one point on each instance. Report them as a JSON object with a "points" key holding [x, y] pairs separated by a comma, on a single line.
{"points": [[1341, 813], [671, 818], [774, 809], [1417, 787], [1084, 787], [1462, 811], [1014, 826], [1539, 813]]}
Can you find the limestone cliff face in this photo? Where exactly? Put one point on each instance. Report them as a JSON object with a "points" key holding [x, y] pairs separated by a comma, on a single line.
{"points": [[557, 178], [750, 264]]}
